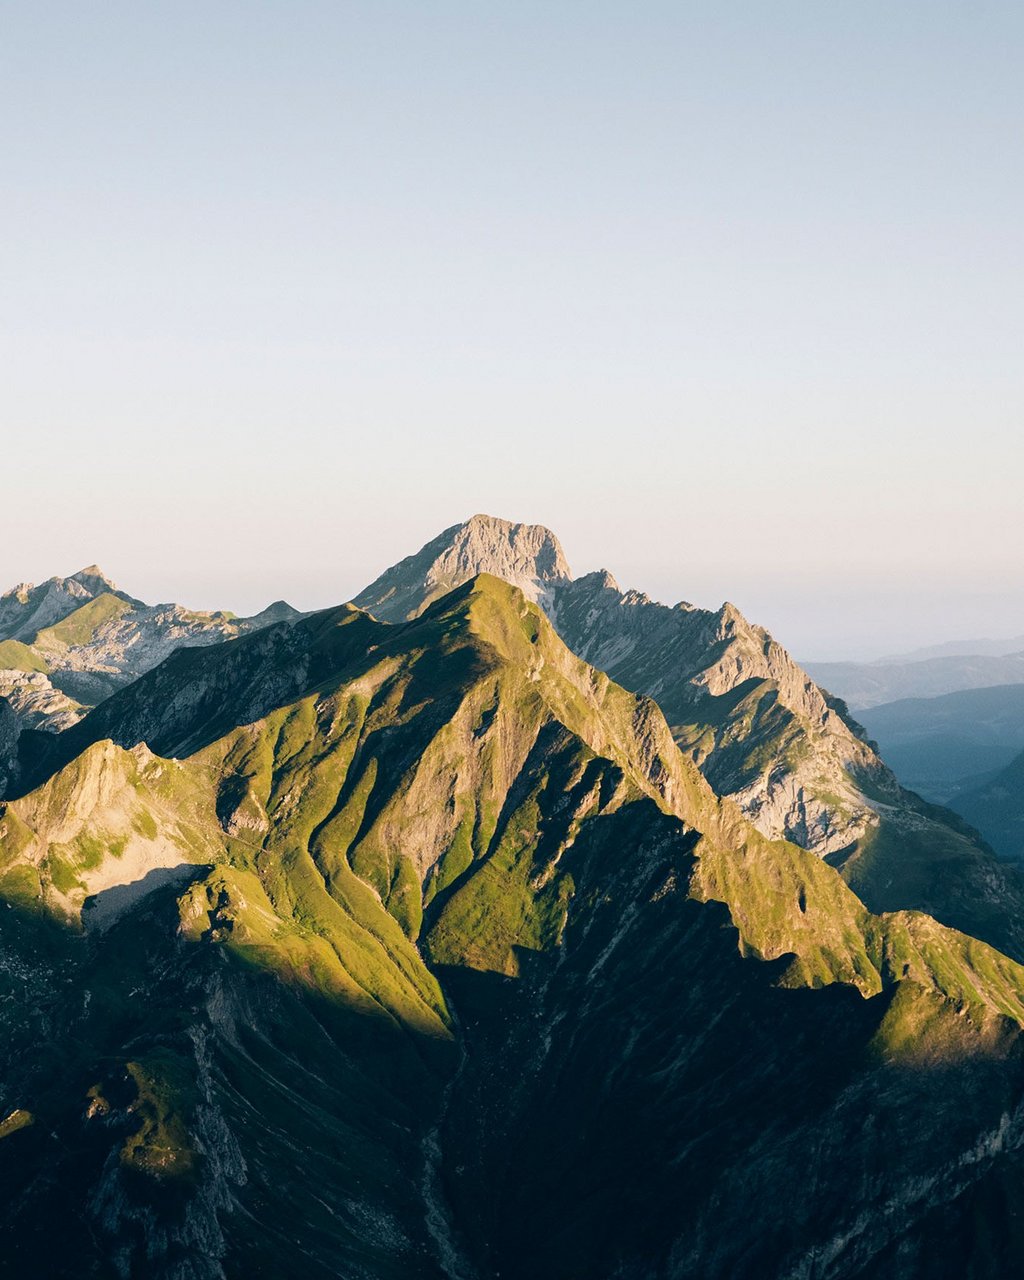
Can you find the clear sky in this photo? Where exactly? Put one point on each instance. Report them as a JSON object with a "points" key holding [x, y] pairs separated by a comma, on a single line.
{"points": [[730, 295]]}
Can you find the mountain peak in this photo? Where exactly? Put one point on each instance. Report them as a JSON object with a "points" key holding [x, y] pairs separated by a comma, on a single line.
{"points": [[527, 555], [600, 579], [506, 549], [93, 577], [27, 609]]}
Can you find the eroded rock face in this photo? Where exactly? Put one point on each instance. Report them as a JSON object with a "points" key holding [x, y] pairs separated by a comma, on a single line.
{"points": [[758, 726], [27, 609], [35, 701], [527, 555]]}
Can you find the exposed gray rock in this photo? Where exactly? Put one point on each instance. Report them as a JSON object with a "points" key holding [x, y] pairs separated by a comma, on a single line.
{"points": [[26, 609], [35, 701], [527, 555]]}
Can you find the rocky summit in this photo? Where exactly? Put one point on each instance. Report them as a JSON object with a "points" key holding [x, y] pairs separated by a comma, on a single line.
{"points": [[461, 932], [527, 555]]}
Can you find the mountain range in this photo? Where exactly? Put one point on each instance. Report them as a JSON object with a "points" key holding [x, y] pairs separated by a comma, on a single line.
{"points": [[996, 807], [987, 646], [944, 745], [762, 733], [870, 684], [499, 923], [68, 643]]}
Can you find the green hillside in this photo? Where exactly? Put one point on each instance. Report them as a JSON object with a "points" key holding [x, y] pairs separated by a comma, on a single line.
{"points": [[17, 656], [79, 627], [346, 948]]}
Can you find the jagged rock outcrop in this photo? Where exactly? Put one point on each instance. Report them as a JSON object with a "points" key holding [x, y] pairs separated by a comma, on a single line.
{"points": [[760, 729], [27, 609], [34, 700]]}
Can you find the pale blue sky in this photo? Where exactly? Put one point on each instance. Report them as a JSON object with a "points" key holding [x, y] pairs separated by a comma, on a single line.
{"points": [[730, 295]]}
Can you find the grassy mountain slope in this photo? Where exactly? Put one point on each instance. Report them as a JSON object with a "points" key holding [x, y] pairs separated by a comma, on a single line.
{"points": [[26, 610], [453, 932], [757, 726], [646, 1082]]}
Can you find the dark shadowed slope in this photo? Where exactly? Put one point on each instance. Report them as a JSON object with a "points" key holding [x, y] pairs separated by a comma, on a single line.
{"points": [[466, 972]]}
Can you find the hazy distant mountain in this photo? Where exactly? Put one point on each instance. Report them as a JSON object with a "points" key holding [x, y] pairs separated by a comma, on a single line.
{"points": [[421, 952], [756, 725], [960, 649], [996, 808], [68, 643], [869, 684], [936, 744]]}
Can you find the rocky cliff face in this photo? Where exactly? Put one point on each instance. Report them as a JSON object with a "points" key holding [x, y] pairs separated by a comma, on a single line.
{"points": [[467, 972], [758, 726], [761, 731], [527, 555], [34, 700], [71, 642]]}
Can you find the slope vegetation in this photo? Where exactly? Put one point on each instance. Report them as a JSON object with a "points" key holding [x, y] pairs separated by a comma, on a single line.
{"points": [[421, 950]]}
